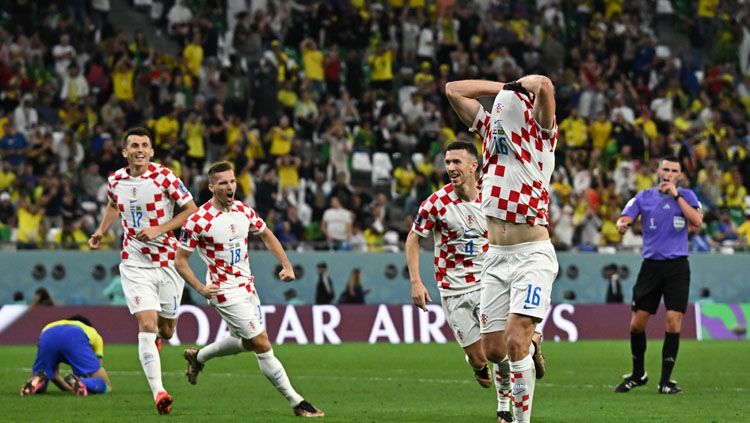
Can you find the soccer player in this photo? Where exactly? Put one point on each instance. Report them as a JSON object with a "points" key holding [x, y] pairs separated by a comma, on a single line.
{"points": [[666, 212], [220, 229], [144, 195], [73, 341], [519, 137]]}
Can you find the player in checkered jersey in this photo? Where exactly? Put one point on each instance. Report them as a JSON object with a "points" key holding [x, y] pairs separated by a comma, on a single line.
{"points": [[220, 230], [144, 194], [519, 137], [454, 217]]}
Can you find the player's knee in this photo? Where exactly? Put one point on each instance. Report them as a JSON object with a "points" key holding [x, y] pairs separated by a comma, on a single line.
{"points": [[166, 332]]}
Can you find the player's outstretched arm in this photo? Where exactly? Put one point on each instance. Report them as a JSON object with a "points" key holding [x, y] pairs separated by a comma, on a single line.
{"points": [[274, 246], [110, 214], [419, 294], [181, 264], [151, 232], [463, 96], [544, 106]]}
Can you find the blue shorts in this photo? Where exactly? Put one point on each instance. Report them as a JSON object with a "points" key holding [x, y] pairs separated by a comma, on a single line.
{"points": [[65, 344]]}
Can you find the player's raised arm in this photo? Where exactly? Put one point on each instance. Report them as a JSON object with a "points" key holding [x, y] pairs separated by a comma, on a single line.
{"points": [[544, 105], [274, 246], [110, 214], [463, 96], [419, 294]]}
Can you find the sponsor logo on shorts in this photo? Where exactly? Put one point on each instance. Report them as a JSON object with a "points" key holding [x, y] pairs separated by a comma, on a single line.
{"points": [[528, 307]]}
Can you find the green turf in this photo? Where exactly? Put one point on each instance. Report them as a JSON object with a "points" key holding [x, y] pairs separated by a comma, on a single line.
{"points": [[360, 382]]}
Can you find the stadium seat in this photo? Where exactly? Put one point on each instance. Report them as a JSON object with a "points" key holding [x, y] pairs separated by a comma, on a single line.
{"points": [[361, 169], [381, 169]]}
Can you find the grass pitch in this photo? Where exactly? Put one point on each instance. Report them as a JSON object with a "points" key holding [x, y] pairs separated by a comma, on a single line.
{"points": [[398, 383]]}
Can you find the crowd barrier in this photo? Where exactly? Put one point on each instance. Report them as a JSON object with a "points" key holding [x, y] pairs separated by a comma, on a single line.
{"points": [[79, 278]]}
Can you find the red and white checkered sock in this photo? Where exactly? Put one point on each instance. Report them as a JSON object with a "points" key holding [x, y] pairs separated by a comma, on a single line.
{"points": [[274, 371], [522, 379], [150, 361], [225, 346], [501, 373]]}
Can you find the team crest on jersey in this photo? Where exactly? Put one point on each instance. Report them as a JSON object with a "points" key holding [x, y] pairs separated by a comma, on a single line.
{"points": [[232, 229], [499, 108], [470, 220]]}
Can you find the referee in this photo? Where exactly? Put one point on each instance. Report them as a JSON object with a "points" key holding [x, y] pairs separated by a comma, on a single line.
{"points": [[666, 213]]}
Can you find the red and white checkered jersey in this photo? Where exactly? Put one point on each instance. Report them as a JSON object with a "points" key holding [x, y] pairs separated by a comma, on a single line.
{"points": [[460, 234], [518, 160], [147, 201], [221, 238]]}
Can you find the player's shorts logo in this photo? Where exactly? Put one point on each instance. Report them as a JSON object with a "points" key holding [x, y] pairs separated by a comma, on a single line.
{"points": [[484, 319], [137, 300], [460, 335]]}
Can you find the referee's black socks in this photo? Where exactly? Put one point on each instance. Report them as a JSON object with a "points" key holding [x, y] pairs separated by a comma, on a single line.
{"points": [[669, 354], [638, 350]]}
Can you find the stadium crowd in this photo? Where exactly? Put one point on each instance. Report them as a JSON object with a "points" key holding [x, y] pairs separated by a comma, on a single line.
{"points": [[335, 117]]}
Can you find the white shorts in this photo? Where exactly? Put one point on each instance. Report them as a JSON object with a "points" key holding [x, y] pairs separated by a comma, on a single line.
{"points": [[240, 310], [152, 288], [462, 313], [516, 279]]}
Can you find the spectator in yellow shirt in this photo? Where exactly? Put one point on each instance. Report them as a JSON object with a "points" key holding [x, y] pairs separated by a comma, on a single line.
{"points": [[381, 65], [29, 224], [313, 63], [166, 128], [122, 80], [288, 98], [281, 137], [744, 230], [575, 130], [194, 134], [600, 131], [193, 54]]}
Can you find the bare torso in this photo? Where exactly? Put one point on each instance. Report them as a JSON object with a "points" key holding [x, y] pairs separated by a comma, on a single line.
{"points": [[501, 232]]}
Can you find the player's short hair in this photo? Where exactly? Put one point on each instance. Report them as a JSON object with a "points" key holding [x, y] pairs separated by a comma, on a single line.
{"points": [[670, 158], [217, 167], [463, 145], [137, 131], [81, 318]]}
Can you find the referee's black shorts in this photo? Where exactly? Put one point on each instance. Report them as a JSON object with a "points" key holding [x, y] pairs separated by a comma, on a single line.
{"points": [[670, 278]]}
